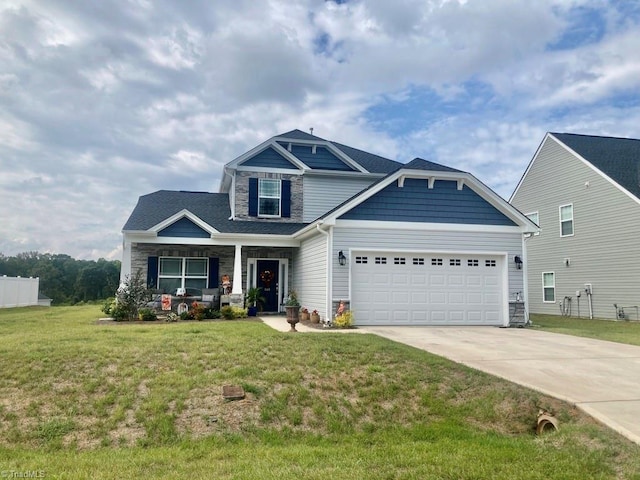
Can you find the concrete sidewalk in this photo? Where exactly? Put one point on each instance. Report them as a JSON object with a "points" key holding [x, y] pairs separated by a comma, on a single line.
{"points": [[601, 378]]}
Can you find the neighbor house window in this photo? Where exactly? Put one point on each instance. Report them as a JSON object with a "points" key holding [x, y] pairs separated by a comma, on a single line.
{"points": [[548, 287], [268, 197], [180, 272], [535, 218], [566, 220]]}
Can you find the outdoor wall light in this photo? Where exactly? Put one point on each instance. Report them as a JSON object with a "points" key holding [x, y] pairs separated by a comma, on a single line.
{"points": [[342, 260], [518, 261]]}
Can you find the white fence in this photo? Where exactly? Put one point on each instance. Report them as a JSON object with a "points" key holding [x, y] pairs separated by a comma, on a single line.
{"points": [[18, 291]]}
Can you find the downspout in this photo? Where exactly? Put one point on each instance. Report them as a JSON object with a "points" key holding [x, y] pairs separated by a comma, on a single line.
{"points": [[525, 280], [328, 284]]}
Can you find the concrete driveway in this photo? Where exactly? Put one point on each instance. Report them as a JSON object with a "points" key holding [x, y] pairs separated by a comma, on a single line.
{"points": [[602, 378]]}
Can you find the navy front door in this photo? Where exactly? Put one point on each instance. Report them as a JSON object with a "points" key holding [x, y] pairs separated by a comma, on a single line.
{"points": [[268, 282]]}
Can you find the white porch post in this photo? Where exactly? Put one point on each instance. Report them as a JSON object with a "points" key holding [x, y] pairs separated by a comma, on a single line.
{"points": [[237, 272]]}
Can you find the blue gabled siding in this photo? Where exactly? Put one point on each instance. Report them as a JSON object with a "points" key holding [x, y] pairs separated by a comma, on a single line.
{"points": [[184, 228], [269, 158], [414, 202], [323, 159]]}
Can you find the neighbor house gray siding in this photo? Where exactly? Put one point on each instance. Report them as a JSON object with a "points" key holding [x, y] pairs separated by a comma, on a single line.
{"points": [[310, 273], [423, 241], [324, 193], [604, 249]]}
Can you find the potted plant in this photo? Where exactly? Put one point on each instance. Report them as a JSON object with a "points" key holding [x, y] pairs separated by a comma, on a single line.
{"points": [[254, 298], [293, 310], [315, 317], [304, 314]]}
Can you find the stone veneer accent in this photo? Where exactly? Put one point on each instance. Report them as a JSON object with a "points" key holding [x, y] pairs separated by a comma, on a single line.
{"points": [[242, 195], [226, 254]]}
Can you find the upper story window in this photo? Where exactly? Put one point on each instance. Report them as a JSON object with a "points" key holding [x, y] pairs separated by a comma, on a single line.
{"points": [[566, 220], [535, 218], [269, 193]]}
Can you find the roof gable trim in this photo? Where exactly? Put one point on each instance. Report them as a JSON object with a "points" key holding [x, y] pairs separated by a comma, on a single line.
{"points": [[178, 216]]}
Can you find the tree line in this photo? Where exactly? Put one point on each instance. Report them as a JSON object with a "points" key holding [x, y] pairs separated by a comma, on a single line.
{"points": [[64, 279]]}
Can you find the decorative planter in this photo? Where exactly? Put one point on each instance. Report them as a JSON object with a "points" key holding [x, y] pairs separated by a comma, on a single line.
{"points": [[315, 318], [293, 316], [304, 316], [252, 311]]}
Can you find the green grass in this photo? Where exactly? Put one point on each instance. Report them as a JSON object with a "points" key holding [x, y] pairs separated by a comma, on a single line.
{"points": [[613, 331], [82, 400]]}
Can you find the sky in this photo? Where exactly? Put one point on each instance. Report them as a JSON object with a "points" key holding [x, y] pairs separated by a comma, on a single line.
{"points": [[102, 102]]}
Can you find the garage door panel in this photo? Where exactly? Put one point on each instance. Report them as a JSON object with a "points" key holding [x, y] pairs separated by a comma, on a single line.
{"points": [[427, 289]]}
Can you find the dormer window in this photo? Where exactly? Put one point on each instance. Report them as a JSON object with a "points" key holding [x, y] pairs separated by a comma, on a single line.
{"points": [[269, 194]]}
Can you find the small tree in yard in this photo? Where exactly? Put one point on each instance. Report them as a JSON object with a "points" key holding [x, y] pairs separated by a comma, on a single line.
{"points": [[132, 295]]}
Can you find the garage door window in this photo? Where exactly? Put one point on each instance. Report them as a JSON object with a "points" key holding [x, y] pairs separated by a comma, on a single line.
{"points": [[362, 259], [549, 287], [436, 261], [399, 261], [418, 261], [381, 260], [454, 262], [472, 263], [489, 263]]}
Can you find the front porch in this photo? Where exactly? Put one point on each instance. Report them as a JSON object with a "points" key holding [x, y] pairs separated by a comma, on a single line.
{"points": [[230, 270]]}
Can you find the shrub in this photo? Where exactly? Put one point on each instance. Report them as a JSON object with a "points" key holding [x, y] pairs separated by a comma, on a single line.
{"points": [[229, 312], [147, 315], [197, 311], [210, 313], [345, 320], [132, 295], [108, 305]]}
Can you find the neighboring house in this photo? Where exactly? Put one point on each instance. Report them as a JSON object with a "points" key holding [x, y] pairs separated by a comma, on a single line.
{"points": [[414, 244], [584, 193]]}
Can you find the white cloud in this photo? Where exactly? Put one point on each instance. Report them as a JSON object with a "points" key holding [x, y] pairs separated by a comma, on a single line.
{"points": [[101, 102]]}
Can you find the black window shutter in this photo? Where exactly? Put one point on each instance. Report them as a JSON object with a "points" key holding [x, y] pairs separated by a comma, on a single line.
{"points": [[253, 197], [152, 272], [286, 198], [214, 281]]}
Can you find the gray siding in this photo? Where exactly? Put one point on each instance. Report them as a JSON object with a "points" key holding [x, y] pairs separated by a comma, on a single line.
{"points": [[324, 193], [416, 240], [414, 202], [310, 273], [604, 249]]}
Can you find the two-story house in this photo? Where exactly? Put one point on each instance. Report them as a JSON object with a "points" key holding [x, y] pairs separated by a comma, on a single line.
{"points": [[584, 193], [414, 244]]}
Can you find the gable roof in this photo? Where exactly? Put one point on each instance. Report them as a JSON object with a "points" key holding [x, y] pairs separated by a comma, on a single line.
{"points": [[357, 159], [430, 171], [618, 158], [211, 208]]}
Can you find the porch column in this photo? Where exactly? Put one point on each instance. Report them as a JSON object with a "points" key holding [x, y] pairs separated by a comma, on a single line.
{"points": [[237, 272]]}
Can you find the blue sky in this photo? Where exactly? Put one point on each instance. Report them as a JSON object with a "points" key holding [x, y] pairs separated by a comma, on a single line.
{"points": [[101, 102]]}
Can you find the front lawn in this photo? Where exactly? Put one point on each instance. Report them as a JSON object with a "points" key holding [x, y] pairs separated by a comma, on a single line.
{"points": [[80, 400], [611, 330]]}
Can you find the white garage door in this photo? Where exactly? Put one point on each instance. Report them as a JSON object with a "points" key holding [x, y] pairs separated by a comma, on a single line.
{"points": [[426, 289]]}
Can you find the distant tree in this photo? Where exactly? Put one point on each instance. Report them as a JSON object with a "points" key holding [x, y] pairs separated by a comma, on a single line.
{"points": [[63, 278]]}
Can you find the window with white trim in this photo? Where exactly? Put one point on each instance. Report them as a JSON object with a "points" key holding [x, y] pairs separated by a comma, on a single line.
{"points": [[566, 220], [182, 272], [535, 218], [269, 193], [548, 287]]}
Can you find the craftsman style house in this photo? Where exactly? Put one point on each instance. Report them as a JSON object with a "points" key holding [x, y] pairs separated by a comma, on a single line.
{"points": [[414, 244], [584, 193]]}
